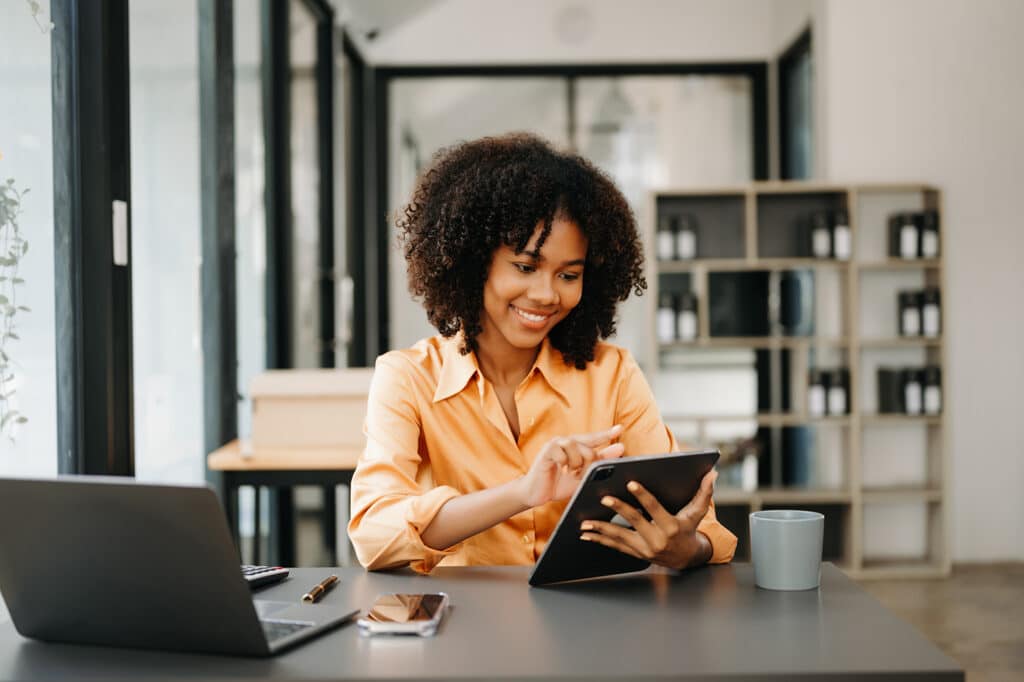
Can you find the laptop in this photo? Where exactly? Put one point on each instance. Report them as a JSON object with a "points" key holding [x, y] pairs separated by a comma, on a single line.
{"points": [[110, 561]]}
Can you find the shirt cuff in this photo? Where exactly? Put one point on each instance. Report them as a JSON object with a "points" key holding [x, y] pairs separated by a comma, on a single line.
{"points": [[418, 516], [723, 542]]}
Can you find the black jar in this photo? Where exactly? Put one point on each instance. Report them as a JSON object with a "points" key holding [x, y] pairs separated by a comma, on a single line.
{"points": [[909, 313]]}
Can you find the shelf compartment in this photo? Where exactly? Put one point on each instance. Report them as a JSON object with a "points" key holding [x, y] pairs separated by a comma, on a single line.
{"points": [[718, 220], [783, 219], [903, 527]]}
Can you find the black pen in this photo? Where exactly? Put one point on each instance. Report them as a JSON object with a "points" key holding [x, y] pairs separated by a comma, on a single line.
{"points": [[320, 589]]}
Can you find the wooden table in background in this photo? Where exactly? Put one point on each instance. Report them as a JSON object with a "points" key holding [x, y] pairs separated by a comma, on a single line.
{"points": [[281, 469]]}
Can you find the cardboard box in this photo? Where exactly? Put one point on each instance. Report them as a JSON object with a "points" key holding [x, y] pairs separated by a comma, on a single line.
{"points": [[318, 408]]}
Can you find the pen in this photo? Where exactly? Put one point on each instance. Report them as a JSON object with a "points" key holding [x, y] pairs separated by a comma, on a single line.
{"points": [[320, 589]]}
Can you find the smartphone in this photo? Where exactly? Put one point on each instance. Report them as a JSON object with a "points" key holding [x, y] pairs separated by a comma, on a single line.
{"points": [[404, 614]]}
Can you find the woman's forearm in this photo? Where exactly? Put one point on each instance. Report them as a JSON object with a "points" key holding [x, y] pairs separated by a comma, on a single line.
{"points": [[465, 516]]}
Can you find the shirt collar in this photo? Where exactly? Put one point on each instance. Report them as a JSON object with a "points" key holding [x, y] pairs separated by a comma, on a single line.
{"points": [[458, 369], [550, 364]]}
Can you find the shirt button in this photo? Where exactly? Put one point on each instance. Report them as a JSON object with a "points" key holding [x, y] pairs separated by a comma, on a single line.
{"points": [[532, 420], [526, 539]]}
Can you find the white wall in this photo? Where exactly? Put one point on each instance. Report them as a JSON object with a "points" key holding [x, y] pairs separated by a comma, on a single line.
{"points": [[931, 90], [541, 31]]}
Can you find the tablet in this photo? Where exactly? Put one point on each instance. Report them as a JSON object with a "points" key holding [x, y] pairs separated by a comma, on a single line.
{"points": [[673, 479]]}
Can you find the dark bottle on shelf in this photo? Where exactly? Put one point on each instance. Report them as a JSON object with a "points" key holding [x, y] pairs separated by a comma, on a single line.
{"points": [[821, 235], [666, 239], [890, 390], [912, 391], [929, 234], [931, 316], [903, 236], [909, 313], [816, 393], [932, 390], [686, 316], [667, 330], [686, 238], [838, 400], [842, 244]]}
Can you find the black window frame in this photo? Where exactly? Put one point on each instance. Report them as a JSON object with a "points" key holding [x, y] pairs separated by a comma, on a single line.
{"points": [[801, 47]]}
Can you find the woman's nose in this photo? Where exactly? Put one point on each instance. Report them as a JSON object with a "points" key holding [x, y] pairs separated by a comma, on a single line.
{"points": [[542, 292]]}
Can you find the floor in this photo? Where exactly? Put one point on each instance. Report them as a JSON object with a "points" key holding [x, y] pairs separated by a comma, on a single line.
{"points": [[976, 616]]}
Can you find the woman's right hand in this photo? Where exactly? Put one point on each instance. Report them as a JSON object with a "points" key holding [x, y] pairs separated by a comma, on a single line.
{"points": [[558, 467]]}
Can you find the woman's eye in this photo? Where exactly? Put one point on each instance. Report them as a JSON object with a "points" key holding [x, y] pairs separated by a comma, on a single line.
{"points": [[523, 267], [570, 276]]}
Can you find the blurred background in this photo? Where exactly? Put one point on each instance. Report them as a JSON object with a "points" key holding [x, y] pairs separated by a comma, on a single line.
{"points": [[261, 148]]}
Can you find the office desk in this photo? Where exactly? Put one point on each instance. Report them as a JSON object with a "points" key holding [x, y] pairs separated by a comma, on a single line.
{"points": [[711, 623], [282, 469]]}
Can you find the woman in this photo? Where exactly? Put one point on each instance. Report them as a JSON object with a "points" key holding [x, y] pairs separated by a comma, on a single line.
{"points": [[477, 437]]}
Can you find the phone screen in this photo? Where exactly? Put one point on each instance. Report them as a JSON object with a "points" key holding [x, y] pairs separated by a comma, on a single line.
{"points": [[405, 608]]}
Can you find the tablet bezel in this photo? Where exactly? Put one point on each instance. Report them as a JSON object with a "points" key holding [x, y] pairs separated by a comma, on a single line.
{"points": [[674, 478]]}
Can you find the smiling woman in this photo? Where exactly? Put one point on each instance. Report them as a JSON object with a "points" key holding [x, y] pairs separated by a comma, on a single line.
{"points": [[477, 437]]}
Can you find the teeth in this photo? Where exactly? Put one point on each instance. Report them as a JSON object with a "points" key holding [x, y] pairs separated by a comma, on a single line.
{"points": [[531, 317]]}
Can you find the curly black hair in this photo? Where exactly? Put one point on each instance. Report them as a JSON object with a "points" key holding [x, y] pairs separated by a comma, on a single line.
{"points": [[477, 196]]}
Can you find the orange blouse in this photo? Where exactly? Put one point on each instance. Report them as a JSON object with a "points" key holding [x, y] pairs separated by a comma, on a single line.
{"points": [[435, 430]]}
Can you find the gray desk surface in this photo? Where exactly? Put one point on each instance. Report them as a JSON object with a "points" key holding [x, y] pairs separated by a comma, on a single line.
{"points": [[711, 623]]}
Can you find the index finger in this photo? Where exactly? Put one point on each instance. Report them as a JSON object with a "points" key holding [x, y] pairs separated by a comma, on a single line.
{"points": [[698, 507], [600, 437]]}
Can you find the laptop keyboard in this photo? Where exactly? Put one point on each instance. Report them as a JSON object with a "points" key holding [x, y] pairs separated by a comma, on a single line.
{"points": [[278, 629]]}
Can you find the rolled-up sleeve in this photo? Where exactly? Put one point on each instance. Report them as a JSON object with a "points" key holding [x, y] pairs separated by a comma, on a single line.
{"points": [[391, 507], [644, 433]]}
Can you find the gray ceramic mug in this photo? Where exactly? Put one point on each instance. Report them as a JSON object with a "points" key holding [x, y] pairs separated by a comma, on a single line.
{"points": [[785, 546]]}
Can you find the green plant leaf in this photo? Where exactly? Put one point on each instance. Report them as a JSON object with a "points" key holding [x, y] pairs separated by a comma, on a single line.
{"points": [[14, 336], [24, 248], [17, 280], [21, 420], [8, 417], [3, 300], [24, 308]]}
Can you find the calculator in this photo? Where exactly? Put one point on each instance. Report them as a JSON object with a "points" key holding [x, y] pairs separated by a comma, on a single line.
{"points": [[258, 576]]}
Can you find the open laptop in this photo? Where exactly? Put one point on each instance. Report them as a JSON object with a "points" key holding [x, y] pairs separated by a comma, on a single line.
{"points": [[97, 560]]}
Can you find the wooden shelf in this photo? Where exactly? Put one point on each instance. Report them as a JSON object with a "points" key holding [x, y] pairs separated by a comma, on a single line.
{"points": [[775, 496], [930, 419], [902, 342], [757, 227], [668, 267], [901, 494], [763, 419], [755, 342], [895, 264]]}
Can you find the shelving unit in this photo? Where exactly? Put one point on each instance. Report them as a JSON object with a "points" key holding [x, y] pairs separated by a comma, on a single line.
{"points": [[880, 479]]}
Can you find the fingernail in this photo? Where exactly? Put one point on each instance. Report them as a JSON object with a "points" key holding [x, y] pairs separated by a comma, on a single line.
{"points": [[632, 486], [584, 537], [607, 501], [586, 525]]}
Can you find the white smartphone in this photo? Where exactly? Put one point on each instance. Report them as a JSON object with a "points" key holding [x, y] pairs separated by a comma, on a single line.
{"points": [[404, 614]]}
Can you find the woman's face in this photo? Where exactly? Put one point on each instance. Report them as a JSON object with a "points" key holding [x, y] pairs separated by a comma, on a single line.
{"points": [[527, 294]]}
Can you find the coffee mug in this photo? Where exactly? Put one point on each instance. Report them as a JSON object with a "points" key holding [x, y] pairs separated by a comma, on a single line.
{"points": [[785, 546]]}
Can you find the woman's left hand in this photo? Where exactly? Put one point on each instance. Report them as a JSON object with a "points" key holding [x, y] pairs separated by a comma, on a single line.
{"points": [[666, 540]]}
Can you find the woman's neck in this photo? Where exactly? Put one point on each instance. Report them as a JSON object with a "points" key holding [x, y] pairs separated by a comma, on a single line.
{"points": [[503, 364]]}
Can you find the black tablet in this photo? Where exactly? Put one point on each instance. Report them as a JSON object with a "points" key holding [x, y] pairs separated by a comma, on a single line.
{"points": [[673, 479]]}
